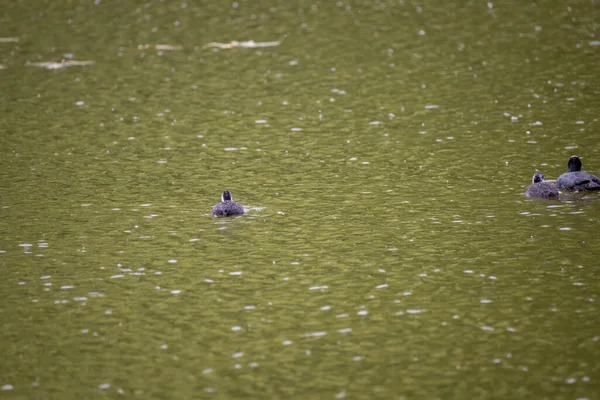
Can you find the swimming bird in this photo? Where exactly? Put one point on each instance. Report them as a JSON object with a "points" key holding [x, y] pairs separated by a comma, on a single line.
{"points": [[227, 206], [576, 179], [539, 188]]}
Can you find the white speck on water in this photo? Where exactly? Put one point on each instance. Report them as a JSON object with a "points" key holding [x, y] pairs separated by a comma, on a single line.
{"points": [[208, 281], [146, 205], [431, 106], [325, 308], [238, 355], [594, 42], [249, 307], [537, 123], [236, 328], [577, 284], [287, 342], [565, 228], [117, 276], [79, 298], [357, 358], [375, 123], [79, 103], [176, 291], [468, 271], [207, 371], [362, 312], [318, 287], [158, 273], [85, 331], [65, 287], [492, 277], [104, 386], [414, 311], [485, 301], [345, 330], [235, 273], [293, 62], [230, 148], [296, 129], [571, 381], [261, 121], [253, 364], [316, 334], [340, 395], [341, 316], [487, 328], [7, 387], [164, 346], [172, 261]]}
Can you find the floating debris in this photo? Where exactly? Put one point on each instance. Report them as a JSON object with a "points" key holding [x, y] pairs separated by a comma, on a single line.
{"points": [[159, 47], [9, 39], [248, 44], [316, 334], [59, 65]]}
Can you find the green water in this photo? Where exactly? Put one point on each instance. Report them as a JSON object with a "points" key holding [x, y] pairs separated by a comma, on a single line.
{"points": [[382, 151]]}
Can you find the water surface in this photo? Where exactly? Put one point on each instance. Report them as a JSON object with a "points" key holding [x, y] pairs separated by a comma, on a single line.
{"points": [[382, 149]]}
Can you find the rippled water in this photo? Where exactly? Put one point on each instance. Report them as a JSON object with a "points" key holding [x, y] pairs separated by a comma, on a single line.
{"points": [[382, 150]]}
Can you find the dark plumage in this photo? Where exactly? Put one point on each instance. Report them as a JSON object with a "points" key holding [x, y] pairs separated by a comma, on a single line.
{"points": [[576, 179], [539, 188], [227, 207]]}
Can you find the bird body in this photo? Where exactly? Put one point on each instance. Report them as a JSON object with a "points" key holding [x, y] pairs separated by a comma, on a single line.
{"points": [[576, 179], [227, 207], [539, 188]]}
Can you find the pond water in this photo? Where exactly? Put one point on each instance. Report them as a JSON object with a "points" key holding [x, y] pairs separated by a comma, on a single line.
{"points": [[382, 150]]}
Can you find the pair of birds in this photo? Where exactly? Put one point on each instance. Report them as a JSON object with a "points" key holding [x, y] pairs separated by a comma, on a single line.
{"points": [[575, 179]]}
